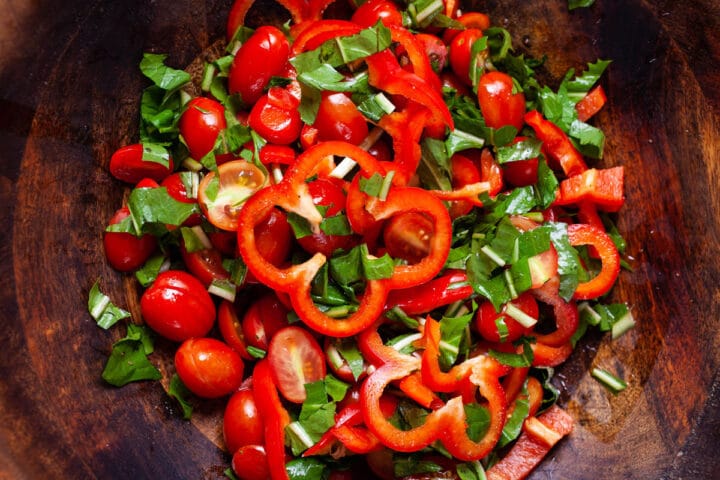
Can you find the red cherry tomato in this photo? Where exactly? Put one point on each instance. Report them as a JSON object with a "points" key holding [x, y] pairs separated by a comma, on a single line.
{"points": [[381, 150], [464, 172], [200, 124], [326, 193], [177, 306], [522, 172], [265, 317], [242, 424], [339, 119], [486, 318], [127, 164], [498, 104], [231, 329], [461, 53], [222, 195], [436, 50], [276, 118], [205, 265], [371, 11], [208, 367], [250, 463], [176, 189], [124, 251], [225, 242], [408, 235], [261, 57], [295, 359]]}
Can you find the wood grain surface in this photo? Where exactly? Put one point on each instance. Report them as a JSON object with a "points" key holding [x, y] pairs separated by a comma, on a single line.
{"points": [[69, 89]]}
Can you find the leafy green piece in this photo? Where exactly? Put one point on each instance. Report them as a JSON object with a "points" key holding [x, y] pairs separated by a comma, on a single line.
{"points": [[526, 149], [150, 270], [573, 4], [128, 360], [478, 421], [327, 78], [156, 153], [453, 333], [180, 393], [434, 167], [309, 468], [523, 359], [404, 466], [105, 313], [470, 471], [336, 225], [153, 66], [350, 352], [152, 206], [513, 425]]}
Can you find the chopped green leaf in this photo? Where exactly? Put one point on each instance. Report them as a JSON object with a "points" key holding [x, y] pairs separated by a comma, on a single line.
{"points": [[180, 392], [105, 313], [128, 360]]}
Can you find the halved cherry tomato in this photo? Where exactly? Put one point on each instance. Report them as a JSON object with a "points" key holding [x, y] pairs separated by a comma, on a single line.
{"points": [[261, 57], [371, 11], [208, 367], [263, 319], [127, 164], [242, 424], [250, 462], [408, 236], [295, 359], [200, 124], [177, 306], [487, 317], [326, 193], [461, 53], [231, 329], [339, 119], [499, 104], [222, 195], [124, 251], [337, 363], [276, 118]]}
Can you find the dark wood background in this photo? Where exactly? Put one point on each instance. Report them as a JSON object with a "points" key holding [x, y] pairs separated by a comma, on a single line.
{"points": [[69, 89]]}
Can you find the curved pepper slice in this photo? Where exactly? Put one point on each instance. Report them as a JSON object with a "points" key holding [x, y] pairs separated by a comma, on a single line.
{"points": [[314, 33], [275, 419], [556, 143], [492, 183], [584, 234], [405, 128], [444, 290], [565, 313]]}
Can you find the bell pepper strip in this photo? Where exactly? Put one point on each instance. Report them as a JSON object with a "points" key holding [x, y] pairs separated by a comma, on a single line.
{"points": [[565, 313], [413, 199], [405, 128], [315, 33], [556, 143], [591, 103], [275, 419], [448, 288], [535, 395], [584, 234], [417, 55], [602, 187], [385, 73], [305, 10], [415, 389], [357, 439], [547, 356], [513, 382], [448, 423], [530, 449]]}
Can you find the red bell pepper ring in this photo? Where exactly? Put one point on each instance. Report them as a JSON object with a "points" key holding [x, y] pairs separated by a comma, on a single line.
{"points": [[565, 313], [583, 234], [315, 33], [350, 415], [357, 439], [603, 187], [547, 356], [556, 143], [275, 419], [591, 103], [405, 128], [443, 290]]}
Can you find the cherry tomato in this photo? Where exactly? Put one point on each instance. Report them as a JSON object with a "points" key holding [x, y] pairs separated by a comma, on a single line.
{"points": [[407, 235], [276, 118], [261, 57], [250, 463], [265, 317], [205, 265], [222, 195], [176, 189], [295, 359], [522, 172], [231, 329], [464, 172], [485, 320], [326, 193], [339, 119], [461, 53], [224, 241], [436, 50], [208, 367], [127, 164], [371, 11], [124, 251], [498, 104], [242, 424], [274, 237], [476, 20], [200, 124], [177, 306], [381, 150]]}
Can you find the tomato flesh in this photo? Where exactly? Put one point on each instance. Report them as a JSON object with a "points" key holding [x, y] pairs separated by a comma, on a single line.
{"points": [[263, 319], [408, 235], [295, 359]]}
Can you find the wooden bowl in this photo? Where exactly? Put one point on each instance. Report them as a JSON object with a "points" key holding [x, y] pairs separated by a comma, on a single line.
{"points": [[70, 85]]}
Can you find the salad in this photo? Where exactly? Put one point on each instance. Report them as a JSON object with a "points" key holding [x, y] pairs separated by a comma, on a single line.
{"points": [[374, 236]]}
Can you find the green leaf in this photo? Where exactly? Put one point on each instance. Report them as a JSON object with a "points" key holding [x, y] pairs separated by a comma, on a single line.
{"points": [[105, 313], [350, 352], [169, 79], [478, 421], [180, 393], [547, 185], [452, 335], [156, 153], [573, 4], [523, 150], [513, 425], [309, 468], [434, 167], [470, 471], [327, 78], [150, 270], [150, 206], [516, 360], [336, 225], [128, 360]]}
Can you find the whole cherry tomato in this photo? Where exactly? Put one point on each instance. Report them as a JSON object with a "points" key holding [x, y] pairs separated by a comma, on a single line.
{"points": [[263, 319], [242, 424], [498, 104], [276, 118], [261, 57], [522, 172], [371, 11], [208, 367], [176, 189], [127, 164], [407, 236], [461, 53], [326, 193], [124, 251], [339, 119], [250, 462], [486, 319], [206, 264], [200, 124], [177, 306], [295, 359], [231, 329]]}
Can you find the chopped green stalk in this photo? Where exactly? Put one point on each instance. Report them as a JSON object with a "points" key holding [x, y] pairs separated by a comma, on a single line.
{"points": [[385, 188], [334, 357], [608, 380], [223, 289], [201, 236], [185, 97], [301, 434], [468, 137], [454, 309], [192, 165], [340, 311], [407, 341], [384, 103], [519, 316], [493, 255], [428, 11], [535, 216], [449, 347], [347, 164], [100, 307], [277, 174], [510, 283], [207, 78], [594, 317], [619, 328]]}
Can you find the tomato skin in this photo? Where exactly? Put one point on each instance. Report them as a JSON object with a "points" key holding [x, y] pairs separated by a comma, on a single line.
{"points": [[486, 316], [242, 424], [248, 76], [339, 119], [250, 462], [407, 235], [231, 329], [522, 172], [326, 193], [371, 11], [436, 50], [126, 164], [263, 319], [124, 251], [205, 265], [200, 124], [498, 104], [273, 120], [177, 306], [295, 359], [208, 367], [461, 52]]}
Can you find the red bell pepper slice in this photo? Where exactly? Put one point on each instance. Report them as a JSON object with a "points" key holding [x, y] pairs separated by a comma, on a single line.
{"points": [[444, 290], [556, 143], [583, 234], [565, 313], [405, 128], [414, 388], [603, 187], [591, 103], [315, 33], [547, 356], [275, 419], [417, 55], [305, 10], [492, 183]]}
